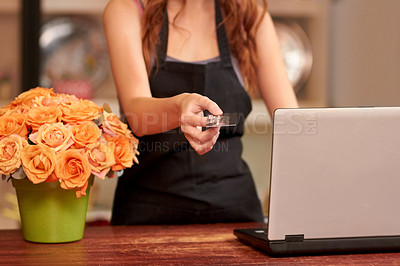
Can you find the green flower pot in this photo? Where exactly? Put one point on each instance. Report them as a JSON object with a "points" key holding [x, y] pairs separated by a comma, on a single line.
{"points": [[50, 214]]}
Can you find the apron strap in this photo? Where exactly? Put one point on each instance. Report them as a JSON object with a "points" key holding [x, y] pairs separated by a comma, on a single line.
{"points": [[222, 38], [162, 47]]}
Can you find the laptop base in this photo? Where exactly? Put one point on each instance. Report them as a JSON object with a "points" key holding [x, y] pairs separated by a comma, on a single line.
{"points": [[257, 238]]}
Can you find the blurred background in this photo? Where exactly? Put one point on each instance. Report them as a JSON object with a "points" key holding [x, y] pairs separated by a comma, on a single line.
{"points": [[337, 53]]}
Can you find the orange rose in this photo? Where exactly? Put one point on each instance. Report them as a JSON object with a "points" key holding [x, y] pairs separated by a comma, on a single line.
{"points": [[13, 124], [73, 170], [67, 99], [124, 151], [101, 158], [46, 101], [14, 109], [20, 109], [85, 133], [56, 136], [81, 191], [6, 110], [113, 126], [10, 153], [83, 110], [38, 161], [41, 115], [28, 96]]}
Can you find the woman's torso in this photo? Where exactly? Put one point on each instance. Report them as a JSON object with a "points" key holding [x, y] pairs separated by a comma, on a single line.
{"points": [[174, 184]]}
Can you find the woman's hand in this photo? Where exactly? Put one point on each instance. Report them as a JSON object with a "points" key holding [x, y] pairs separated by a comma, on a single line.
{"points": [[192, 120]]}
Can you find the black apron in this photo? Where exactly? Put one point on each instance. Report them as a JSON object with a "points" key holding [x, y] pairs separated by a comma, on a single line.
{"points": [[173, 184]]}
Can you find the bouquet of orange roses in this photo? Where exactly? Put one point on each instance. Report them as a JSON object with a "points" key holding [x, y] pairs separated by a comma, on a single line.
{"points": [[50, 137]]}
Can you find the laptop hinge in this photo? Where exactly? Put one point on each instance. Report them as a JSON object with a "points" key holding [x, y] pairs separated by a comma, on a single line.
{"points": [[294, 238]]}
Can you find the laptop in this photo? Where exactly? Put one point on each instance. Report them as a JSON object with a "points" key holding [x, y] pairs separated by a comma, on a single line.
{"points": [[334, 183]]}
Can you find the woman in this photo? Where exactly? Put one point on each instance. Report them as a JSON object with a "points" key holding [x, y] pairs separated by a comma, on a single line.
{"points": [[173, 61]]}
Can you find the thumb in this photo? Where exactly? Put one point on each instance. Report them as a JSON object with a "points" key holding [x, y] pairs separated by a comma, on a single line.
{"points": [[213, 108]]}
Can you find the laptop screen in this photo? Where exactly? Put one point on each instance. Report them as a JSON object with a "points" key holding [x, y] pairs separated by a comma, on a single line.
{"points": [[335, 172]]}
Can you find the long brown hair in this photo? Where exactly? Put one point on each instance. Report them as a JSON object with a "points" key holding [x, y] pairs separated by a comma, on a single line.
{"points": [[241, 20]]}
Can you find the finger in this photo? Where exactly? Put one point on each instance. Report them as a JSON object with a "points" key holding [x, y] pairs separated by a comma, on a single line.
{"points": [[208, 135], [211, 106], [200, 136], [206, 147], [214, 109], [202, 148], [194, 120]]}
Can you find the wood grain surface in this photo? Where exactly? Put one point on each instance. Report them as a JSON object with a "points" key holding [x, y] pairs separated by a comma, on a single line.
{"points": [[209, 244]]}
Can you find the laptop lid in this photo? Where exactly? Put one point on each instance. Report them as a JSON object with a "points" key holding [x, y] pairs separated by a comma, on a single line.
{"points": [[334, 184], [335, 173]]}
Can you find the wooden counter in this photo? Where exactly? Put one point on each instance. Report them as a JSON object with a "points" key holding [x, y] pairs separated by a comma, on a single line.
{"points": [[185, 245]]}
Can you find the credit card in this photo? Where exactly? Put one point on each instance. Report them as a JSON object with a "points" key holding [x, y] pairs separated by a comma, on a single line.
{"points": [[225, 120]]}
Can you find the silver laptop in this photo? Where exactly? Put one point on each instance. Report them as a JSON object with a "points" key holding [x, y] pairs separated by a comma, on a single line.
{"points": [[335, 182]]}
